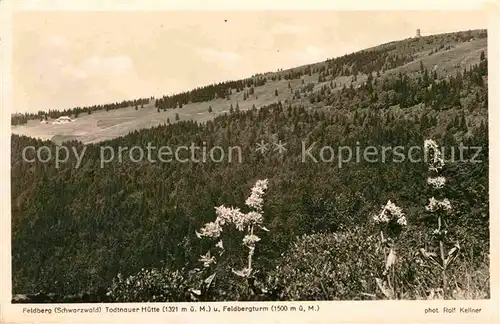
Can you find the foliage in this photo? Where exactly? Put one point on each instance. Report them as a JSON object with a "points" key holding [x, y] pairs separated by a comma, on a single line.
{"points": [[152, 285], [335, 266], [75, 229]]}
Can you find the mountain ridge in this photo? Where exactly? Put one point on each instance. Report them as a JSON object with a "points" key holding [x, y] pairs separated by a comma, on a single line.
{"points": [[102, 125], [79, 228]]}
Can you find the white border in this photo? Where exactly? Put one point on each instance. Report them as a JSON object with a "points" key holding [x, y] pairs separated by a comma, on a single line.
{"points": [[344, 312]]}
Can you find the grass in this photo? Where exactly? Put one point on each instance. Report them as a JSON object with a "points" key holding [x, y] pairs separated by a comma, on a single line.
{"points": [[104, 125]]}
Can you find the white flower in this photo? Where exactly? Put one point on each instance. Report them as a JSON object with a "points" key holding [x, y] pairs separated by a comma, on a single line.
{"points": [[240, 222], [432, 206], [207, 260], [255, 199], [445, 204], [390, 212], [401, 221], [437, 182], [430, 144], [436, 162], [253, 218], [211, 229], [219, 245], [393, 209], [226, 214], [381, 217], [250, 240], [435, 204]]}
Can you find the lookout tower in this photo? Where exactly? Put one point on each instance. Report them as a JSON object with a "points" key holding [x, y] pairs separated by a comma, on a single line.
{"points": [[418, 33]]}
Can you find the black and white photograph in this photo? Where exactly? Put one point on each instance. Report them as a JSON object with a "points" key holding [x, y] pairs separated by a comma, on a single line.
{"points": [[249, 156]]}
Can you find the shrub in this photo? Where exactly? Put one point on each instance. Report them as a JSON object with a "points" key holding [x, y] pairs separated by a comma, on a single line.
{"points": [[333, 266], [153, 285]]}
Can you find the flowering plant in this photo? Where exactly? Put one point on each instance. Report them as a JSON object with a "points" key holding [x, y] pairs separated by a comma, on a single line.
{"points": [[441, 208], [390, 213], [391, 221], [248, 223]]}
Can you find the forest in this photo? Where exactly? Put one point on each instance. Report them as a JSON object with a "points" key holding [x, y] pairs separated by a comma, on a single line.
{"points": [[139, 231]]}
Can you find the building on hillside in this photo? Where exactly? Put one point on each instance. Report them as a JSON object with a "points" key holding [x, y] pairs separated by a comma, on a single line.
{"points": [[418, 33], [62, 120]]}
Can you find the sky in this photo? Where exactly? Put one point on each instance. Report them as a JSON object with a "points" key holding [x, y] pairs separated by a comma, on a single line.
{"points": [[66, 59]]}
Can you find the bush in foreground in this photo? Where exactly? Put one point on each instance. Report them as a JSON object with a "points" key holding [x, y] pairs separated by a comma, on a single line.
{"points": [[152, 285]]}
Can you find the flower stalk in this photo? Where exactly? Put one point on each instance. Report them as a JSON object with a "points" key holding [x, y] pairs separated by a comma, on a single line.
{"points": [[441, 208], [391, 220], [243, 222]]}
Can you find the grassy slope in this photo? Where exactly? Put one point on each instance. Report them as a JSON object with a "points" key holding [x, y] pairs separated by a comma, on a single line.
{"points": [[104, 125], [107, 125]]}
